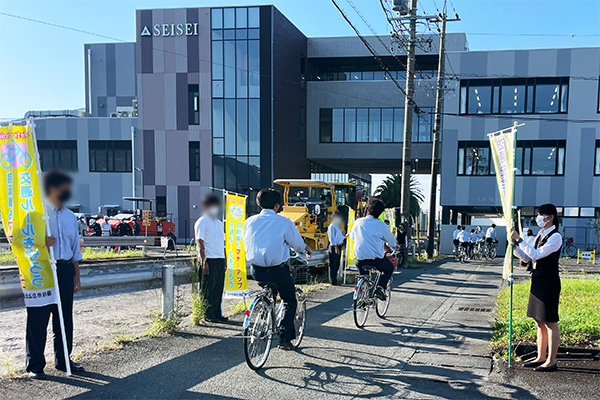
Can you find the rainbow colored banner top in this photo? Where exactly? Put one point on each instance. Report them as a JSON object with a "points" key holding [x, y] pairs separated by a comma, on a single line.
{"points": [[235, 216], [22, 209]]}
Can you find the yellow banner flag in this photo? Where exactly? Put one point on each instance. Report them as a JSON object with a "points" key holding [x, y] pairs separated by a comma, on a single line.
{"points": [[22, 209], [389, 214], [351, 261], [502, 144], [235, 216]]}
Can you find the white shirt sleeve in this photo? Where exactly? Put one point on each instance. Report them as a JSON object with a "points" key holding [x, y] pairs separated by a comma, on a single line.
{"points": [[519, 253], [200, 231], [77, 256], [293, 238], [388, 237], [552, 245]]}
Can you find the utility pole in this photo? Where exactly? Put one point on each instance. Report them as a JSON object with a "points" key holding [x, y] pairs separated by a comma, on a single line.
{"points": [[408, 116], [439, 103]]}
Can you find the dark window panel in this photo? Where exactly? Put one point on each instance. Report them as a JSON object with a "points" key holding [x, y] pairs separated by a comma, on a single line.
{"points": [[110, 155], [325, 124], [194, 160], [193, 105]]}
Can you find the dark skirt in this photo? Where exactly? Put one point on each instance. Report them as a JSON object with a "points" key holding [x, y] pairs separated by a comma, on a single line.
{"points": [[543, 298]]}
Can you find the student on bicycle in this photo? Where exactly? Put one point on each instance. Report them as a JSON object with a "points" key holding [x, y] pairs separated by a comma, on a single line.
{"points": [[369, 235], [463, 239], [267, 241], [455, 236], [490, 235]]}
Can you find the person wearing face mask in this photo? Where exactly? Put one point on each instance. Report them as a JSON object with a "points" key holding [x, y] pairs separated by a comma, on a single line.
{"points": [[65, 243], [336, 240], [210, 241], [542, 259]]}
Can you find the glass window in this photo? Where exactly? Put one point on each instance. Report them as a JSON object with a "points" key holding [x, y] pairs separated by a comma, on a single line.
{"points": [[216, 18], [375, 125], [338, 125], [217, 119], [496, 100], [254, 172], [229, 34], [229, 18], [217, 60], [218, 146], [229, 127], [560, 162], [356, 76], [241, 17], [546, 98], [194, 155], [519, 161], [367, 75], [461, 161], [527, 161], [477, 161], [242, 68], [543, 161], [379, 75], [463, 100], [597, 160], [253, 33], [350, 125], [253, 69], [217, 89], [253, 17], [229, 68], [218, 171], [564, 97], [387, 124], [479, 100], [241, 34], [242, 127], [325, 120], [110, 155], [513, 99], [398, 124], [362, 125], [254, 127], [530, 97], [161, 206], [571, 212], [61, 154], [587, 212], [193, 105]]}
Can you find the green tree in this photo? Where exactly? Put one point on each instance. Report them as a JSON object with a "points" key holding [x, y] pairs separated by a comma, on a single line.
{"points": [[391, 188]]}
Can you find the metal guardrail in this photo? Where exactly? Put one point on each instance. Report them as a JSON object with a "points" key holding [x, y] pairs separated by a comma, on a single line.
{"points": [[98, 241]]}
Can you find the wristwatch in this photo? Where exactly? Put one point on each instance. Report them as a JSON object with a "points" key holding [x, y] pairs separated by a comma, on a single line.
{"points": [[520, 241]]}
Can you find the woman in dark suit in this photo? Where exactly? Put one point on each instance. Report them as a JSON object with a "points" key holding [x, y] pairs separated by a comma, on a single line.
{"points": [[542, 259]]}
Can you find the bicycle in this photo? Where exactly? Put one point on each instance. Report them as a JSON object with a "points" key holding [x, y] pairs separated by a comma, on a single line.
{"points": [[478, 250], [568, 248], [462, 254], [364, 297], [262, 322], [490, 251]]}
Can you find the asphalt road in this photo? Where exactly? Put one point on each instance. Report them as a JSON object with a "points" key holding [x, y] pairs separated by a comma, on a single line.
{"points": [[432, 344]]}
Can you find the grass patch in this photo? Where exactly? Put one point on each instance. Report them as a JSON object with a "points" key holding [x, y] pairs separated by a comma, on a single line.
{"points": [[89, 253], [8, 368], [579, 312], [238, 308], [122, 336], [163, 324], [314, 284], [199, 307]]}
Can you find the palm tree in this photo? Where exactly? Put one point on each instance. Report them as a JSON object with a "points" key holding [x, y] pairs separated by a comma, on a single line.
{"points": [[390, 191]]}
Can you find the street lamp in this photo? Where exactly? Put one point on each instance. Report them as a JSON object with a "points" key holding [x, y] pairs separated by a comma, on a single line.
{"points": [[141, 171]]}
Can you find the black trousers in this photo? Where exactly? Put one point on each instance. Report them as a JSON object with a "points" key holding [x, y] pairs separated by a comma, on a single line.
{"points": [[37, 324], [334, 263], [287, 291], [382, 264], [212, 286]]}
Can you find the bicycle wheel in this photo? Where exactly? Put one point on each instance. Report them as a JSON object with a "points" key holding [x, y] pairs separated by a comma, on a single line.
{"points": [[462, 257], [381, 307], [300, 320], [571, 251], [493, 253], [361, 303], [258, 334]]}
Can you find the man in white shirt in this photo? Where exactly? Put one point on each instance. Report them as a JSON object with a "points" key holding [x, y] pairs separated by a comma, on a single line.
{"points": [[455, 236], [369, 235], [210, 241], [64, 240], [490, 234], [268, 238], [463, 238], [336, 240], [105, 226]]}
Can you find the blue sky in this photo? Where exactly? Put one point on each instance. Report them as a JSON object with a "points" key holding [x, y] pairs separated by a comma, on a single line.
{"points": [[42, 66]]}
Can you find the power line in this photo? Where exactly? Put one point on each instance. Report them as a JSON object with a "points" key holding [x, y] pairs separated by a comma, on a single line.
{"points": [[572, 35]]}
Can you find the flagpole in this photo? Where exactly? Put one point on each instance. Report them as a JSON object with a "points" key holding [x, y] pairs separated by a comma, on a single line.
{"points": [[511, 280], [51, 252]]}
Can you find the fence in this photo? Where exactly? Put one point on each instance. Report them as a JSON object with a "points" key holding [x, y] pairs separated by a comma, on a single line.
{"points": [[584, 238]]}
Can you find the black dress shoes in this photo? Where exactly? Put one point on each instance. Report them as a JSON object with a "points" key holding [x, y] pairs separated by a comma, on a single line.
{"points": [[36, 375], [74, 367], [549, 368], [533, 364]]}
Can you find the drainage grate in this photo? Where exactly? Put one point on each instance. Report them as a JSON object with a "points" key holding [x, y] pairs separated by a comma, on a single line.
{"points": [[474, 309]]}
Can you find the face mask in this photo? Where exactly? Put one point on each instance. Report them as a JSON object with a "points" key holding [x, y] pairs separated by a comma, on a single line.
{"points": [[539, 220], [213, 211], [64, 196]]}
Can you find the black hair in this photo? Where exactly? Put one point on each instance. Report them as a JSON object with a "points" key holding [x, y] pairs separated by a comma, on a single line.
{"points": [[549, 209], [55, 179], [267, 198], [472, 230], [458, 227], [529, 232], [375, 207], [211, 200], [493, 225], [462, 228], [336, 213]]}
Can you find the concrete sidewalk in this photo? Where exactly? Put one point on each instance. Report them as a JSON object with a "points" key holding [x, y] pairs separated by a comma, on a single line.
{"points": [[433, 344]]}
